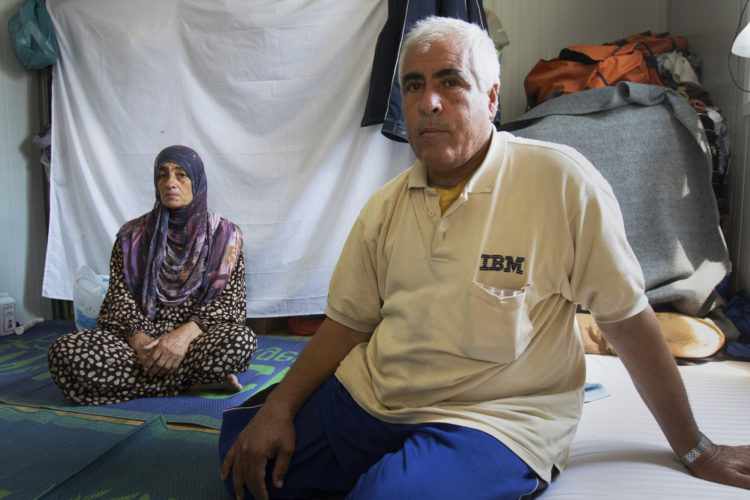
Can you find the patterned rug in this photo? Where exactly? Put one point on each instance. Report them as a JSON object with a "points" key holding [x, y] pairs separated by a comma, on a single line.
{"points": [[25, 380], [51, 456]]}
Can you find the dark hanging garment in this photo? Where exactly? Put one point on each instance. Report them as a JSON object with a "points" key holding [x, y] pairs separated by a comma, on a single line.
{"points": [[384, 98]]}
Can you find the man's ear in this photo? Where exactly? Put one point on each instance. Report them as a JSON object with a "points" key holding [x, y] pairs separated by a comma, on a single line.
{"points": [[494, 99]]}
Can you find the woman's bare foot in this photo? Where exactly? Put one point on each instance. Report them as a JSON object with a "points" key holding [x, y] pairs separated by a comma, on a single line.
{"points": [[230, 384]]}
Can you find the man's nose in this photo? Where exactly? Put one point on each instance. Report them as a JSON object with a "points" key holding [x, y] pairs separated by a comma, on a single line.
{"points": [[431, 102]]}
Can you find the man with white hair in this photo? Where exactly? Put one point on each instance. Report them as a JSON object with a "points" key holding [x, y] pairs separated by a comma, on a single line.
{"points": [[449, 365]]}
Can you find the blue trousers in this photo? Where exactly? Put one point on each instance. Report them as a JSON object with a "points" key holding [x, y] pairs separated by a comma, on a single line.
{"points": [[341, 448]]}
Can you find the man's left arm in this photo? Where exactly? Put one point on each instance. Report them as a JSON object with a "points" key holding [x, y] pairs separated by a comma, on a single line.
{"points": [[640, 344]]}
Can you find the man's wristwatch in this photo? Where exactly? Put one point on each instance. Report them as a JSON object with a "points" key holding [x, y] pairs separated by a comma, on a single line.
{"points": [[691, 456]]}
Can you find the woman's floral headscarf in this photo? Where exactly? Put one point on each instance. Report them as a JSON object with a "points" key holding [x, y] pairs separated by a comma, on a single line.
{"points": [[172, 254]]}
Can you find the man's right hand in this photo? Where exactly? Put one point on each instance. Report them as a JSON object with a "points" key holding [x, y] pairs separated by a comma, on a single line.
{"points": [[269, 435]]}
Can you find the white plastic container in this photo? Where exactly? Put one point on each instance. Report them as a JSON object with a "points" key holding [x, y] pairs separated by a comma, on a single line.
{"points": [[89, 290], [8, 308]]}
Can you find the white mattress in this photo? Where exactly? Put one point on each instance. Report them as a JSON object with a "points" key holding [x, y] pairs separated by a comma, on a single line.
{"points": [[619, 451]]}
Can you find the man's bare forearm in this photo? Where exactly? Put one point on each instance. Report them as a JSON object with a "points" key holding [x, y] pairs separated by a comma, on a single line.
{"points": [[318, 360], [640, 344]]}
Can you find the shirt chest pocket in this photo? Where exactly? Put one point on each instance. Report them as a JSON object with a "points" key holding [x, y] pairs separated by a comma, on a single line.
{"points": [[497, 327]]}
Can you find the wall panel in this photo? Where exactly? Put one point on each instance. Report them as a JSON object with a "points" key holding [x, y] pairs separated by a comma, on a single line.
{"points": [[710, 28], [22, 219]]}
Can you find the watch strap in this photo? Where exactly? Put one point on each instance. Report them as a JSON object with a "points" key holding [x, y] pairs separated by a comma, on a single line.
{"points": [[691, 456]]}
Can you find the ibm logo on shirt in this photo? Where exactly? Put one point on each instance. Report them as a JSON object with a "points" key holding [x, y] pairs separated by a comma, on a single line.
{"points": [[507, 263]]}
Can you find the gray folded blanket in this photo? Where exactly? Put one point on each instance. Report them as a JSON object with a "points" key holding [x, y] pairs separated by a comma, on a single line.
{"points": [[648, 143]]}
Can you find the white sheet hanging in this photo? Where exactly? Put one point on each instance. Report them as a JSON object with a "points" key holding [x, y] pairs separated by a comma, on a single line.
{"points": [[270, 93]]}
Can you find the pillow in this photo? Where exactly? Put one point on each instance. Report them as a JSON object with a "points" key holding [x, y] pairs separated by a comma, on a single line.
{"points": [[687, 336]]}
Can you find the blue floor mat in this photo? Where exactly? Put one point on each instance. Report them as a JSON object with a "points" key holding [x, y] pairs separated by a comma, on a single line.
{"points": [[51, 456], [25, 380]]}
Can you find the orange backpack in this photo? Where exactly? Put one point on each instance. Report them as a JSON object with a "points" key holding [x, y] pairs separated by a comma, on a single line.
{"points": [[658, 43], [581, 67]]}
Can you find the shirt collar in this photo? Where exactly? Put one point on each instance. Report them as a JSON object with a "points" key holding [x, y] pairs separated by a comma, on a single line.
{"points": [[482, 180]]}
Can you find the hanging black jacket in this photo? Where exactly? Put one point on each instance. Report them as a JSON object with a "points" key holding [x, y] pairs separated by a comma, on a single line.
{"points": [[384, 98]]}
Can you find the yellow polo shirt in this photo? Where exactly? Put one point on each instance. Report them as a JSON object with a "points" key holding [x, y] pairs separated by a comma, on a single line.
{"points": [[535, 220]]}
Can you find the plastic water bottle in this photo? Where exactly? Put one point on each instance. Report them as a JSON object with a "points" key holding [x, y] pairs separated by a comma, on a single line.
{"points": [[28, 325], [8, 307]]}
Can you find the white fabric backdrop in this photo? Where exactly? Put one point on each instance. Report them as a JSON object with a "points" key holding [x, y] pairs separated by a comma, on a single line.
{"points": [[269, 92]]}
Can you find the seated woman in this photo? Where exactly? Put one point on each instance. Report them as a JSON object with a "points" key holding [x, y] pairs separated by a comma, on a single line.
{"points": [[174, 314]]}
